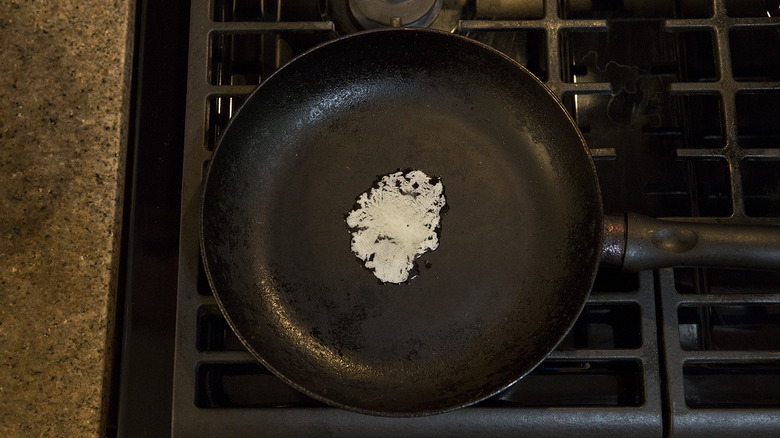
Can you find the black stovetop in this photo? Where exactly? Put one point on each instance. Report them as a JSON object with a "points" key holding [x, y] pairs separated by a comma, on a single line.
{"points": [[677, 101]]}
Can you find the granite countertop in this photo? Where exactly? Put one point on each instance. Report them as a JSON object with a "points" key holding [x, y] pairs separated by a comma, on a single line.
{"points": [[64, 81]]}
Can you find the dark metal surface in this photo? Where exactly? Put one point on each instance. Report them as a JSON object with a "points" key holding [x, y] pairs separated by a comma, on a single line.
{"points": [[255, 403], [728, 20], [509, 10], [520, 241], [643, 166], [636, 242], [654, 244], [142, 403], [613, 246], [737, 378]]}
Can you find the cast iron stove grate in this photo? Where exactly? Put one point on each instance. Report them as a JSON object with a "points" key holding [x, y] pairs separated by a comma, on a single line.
{"points": [[678, 102]]}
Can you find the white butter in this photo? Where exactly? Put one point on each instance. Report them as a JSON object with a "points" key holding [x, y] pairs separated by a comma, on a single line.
{"points": [[395, 222]]}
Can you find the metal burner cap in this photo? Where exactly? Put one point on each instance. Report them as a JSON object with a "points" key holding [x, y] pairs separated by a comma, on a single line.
{"points": [[408, 13]]}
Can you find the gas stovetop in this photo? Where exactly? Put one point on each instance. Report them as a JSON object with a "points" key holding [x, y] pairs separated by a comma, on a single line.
{"points": [[678, 102]]}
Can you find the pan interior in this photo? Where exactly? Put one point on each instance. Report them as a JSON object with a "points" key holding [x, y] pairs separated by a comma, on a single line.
{"points": [[518, 245]]}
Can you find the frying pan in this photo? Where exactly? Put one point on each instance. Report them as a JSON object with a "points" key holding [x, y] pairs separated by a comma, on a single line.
{"points": [[519, 245]]}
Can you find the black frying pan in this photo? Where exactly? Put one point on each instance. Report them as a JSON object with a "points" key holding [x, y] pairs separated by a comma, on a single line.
{"points": [[519, 245]]}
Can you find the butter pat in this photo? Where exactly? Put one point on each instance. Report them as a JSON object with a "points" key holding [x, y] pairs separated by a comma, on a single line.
{"points": [[395, 222]]}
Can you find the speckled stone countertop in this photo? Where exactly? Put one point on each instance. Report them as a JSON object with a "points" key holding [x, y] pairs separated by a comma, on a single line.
{"points": [[64, 81]]}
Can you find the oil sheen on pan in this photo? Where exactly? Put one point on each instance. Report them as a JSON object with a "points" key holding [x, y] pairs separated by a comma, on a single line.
{"points": [[396, 221]]}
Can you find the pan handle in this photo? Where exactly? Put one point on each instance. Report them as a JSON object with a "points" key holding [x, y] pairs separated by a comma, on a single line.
{"points": [[638, 243]]}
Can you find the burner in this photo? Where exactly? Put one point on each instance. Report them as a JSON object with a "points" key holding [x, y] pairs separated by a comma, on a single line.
{"points": [[383, 13], [351, 16]]}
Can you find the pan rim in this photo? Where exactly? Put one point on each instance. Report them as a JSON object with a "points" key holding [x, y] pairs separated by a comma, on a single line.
{"points": [[598, 213]]}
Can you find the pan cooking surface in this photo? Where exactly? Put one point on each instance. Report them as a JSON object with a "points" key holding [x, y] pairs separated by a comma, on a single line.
{"points": [[518, 246]]}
